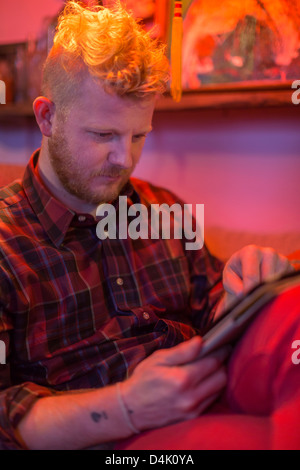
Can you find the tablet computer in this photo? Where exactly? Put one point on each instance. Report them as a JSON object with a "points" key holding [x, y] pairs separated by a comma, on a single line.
{"points": [[233, 322]]}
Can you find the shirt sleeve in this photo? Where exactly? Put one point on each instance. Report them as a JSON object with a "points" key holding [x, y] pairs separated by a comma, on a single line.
{"points": [[206, 286], [15, 400]]}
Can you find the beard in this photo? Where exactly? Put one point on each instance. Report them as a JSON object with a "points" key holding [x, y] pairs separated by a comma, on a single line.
{"points": [[77, 179]]}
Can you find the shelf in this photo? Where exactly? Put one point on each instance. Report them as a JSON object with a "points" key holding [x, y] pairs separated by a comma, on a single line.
{"points": [[16, 110], [231, 96], [208, 98]]}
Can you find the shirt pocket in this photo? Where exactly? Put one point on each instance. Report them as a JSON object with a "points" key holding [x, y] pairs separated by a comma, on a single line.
{"points": [[166, 284]]}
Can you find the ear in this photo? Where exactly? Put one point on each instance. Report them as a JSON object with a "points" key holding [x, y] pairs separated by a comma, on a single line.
{"points": [[44, 110]]}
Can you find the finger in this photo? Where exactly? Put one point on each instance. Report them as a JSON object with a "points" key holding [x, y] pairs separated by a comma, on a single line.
{"points": [[232, 282], [182, 353], [199, 408], [242, 271], [274, 265], [226, 303], [205, 404], [202, 395], [269, 264], [212, 386], [213, 362], [220, 354], [251, 268], [208, 365]]}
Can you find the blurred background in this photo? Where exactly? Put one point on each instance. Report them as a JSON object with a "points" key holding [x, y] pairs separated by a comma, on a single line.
{"points": [[235, 149]]}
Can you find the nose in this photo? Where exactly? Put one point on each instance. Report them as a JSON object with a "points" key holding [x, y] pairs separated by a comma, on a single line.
{"points": [[121, 154]]}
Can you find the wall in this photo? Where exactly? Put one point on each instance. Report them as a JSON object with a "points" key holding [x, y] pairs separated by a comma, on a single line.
{"points": [[21, 19], [244, 165]]}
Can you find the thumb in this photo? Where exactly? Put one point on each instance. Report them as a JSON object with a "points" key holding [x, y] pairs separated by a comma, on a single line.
{"points": [[184, 352]]}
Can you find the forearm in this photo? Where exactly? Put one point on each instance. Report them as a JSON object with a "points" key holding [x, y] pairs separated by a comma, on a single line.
{"points": [[183, 387], [74, 420]]}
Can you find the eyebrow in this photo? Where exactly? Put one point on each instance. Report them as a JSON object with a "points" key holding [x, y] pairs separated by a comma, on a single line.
{"points": [[114, 131]]}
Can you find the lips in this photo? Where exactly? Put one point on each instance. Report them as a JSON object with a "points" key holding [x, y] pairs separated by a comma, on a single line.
{"points": [[109, 177]]}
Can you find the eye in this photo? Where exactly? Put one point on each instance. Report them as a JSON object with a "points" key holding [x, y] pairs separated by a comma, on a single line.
{"points": [[138, 137], [103, 136]]}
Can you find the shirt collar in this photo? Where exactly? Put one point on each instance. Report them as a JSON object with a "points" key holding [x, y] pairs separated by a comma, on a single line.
{"points": [[53, 215]]}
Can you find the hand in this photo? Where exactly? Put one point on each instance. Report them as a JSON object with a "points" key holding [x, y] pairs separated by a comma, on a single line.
{"points": [[173, 385], [247, 268]]}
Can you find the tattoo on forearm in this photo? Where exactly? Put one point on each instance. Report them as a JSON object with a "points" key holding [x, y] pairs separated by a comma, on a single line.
{"points": [[96, 417]]}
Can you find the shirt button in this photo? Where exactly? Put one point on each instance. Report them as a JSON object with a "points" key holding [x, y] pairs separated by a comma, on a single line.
{"points": [[81, 218], [120, 281], [146, 315]]}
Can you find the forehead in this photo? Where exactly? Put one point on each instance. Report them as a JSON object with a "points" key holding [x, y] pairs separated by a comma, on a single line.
{"points": [[93, 105]]}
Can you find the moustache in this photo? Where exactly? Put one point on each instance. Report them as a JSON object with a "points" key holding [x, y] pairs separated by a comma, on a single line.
{"points": [[111, 172]]}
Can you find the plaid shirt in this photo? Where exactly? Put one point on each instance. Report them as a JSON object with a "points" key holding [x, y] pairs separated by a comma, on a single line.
{"points": [[77, 312]]}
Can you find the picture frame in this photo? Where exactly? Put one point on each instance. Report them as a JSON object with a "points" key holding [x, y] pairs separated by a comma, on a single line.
{"points": [[237, 54]]}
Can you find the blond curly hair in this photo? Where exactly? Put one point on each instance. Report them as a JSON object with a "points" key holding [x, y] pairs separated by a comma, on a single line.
{"points": [[109, 45]]}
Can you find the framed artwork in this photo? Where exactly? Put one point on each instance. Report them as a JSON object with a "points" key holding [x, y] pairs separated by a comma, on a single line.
{"points": [[233, 41], [239, 52]]}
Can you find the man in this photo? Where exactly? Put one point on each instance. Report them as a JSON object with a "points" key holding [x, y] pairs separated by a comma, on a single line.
{"points": [[102, 335]]}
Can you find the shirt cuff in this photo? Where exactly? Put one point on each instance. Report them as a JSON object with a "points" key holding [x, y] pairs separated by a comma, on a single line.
{"points": [[15, 402]]}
